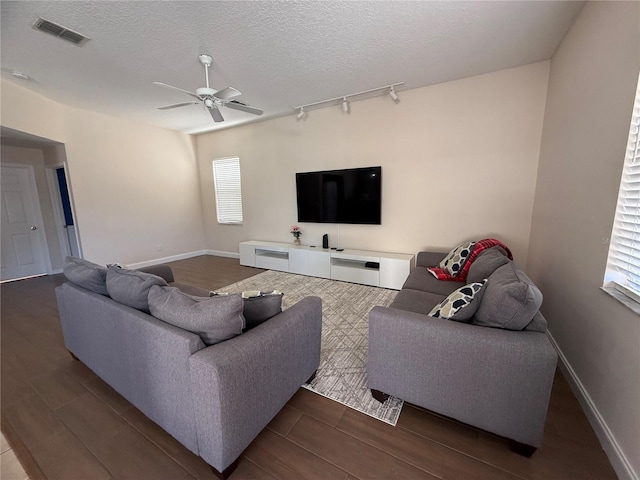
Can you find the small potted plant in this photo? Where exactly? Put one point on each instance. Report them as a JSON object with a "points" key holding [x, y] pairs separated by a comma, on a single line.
{"points": [[296, 232]]}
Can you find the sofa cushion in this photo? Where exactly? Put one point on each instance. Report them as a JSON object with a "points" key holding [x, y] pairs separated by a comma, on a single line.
{"points": [[416, 301], [260, 308], [538, 324], [421, 279], [86, 274], [510, 300], [214, 319], [461, 304], [131, 287], [454, 261], [486, 263], [190, 289]]}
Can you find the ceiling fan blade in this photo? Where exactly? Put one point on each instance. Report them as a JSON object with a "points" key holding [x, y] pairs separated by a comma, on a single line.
{"points": [[160, 84], [227, 93], [215, 114], [168, 107], [243, 108]]}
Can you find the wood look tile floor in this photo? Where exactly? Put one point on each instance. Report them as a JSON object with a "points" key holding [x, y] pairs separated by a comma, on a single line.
{"points": [[65, 423]]}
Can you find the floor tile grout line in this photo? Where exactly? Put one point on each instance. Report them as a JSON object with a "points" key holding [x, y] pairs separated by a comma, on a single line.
{"points": [[158, 446], [408, 462], [22, 453], [308, 451], [343, 468], [86, 447], [468, 455], [11, 454]]}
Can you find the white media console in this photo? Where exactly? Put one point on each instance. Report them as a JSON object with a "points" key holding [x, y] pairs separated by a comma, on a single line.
{"points": [[379, 269]]}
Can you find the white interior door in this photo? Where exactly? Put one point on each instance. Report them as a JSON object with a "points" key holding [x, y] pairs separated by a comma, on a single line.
{"points": [[23, 242]]}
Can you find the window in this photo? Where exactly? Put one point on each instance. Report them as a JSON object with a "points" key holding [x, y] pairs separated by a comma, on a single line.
{"points": [[623, 264], [226, 179]]}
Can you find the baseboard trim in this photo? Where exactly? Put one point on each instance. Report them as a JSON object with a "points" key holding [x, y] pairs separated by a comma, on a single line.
{"points": [[182, 256], [220, 253], [172, 258], [616, 456]]}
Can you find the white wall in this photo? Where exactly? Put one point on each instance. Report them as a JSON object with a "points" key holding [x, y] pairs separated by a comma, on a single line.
{"points": [[135, 187], [591, 91], [459, 161]]}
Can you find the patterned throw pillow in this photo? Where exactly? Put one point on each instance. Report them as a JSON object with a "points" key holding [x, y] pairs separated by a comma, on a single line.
{"points": [[454, 262], [461, 304]]}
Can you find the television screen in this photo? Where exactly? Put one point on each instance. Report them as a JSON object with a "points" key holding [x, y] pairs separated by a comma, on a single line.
{"points": [[340, 196]]}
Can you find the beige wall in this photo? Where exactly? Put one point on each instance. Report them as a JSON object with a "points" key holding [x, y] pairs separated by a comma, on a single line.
{"points": [[35, 157], [135, 187], [591, 90], [459, 162]]}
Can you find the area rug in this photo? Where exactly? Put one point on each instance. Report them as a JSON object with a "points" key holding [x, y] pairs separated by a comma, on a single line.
{"points": [[342, 374]]}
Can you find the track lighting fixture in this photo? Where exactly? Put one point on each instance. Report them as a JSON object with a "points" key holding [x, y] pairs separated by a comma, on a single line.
{"points": [[345, 103], [393, 94]]}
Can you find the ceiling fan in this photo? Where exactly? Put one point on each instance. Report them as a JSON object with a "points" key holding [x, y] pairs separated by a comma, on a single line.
{"points": [[211, 98]]}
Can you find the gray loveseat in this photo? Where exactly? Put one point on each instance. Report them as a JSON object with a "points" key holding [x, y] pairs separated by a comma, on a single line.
{"points": [[213, 399], [497, 378]]}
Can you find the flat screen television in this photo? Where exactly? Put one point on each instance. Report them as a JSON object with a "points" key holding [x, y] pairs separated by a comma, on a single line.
{"points": [[340, 196]]}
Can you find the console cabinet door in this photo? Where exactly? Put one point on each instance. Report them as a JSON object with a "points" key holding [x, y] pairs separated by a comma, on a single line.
{"points": [[247, 255], [310, 262], [319, 264]]}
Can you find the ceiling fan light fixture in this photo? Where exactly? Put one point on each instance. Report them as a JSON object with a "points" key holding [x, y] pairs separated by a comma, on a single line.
{"points": [[20, 75], [393, 95]]}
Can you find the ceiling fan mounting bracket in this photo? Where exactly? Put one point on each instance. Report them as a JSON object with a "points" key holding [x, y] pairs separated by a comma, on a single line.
{"points": [[205, 60]]}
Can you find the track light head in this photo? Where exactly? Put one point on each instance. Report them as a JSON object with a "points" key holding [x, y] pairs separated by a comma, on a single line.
{"points": [[393, 95], [301, 114], [345, 105]]}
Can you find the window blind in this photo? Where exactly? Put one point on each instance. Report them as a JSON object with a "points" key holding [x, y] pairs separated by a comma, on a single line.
{"points": [[226, 179], [623, 265]]}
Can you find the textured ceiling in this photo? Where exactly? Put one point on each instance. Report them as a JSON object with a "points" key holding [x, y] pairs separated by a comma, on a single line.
{"points": [[278, 54]]}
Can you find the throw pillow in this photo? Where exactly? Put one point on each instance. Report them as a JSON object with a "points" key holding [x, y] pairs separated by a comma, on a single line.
{"points": [[454, 261], [510, 301], [461, 304], [131, 287], [214, 319], [86, 274], [486, 263], [258, 309]]}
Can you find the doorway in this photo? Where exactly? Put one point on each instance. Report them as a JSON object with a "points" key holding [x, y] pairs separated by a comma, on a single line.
{"points": [[57, 227], [63, 211], [23, 239]]}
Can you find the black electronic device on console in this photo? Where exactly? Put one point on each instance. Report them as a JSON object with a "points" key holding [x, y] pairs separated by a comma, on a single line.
{"points": [[325, 241]]}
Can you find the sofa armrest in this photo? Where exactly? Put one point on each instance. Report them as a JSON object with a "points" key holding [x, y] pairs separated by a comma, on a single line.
{"points": [[497, 380], [162, 270], [239, 385], [429, 259]]}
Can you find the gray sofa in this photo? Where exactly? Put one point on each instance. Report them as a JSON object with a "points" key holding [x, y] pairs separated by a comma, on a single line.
{"points": [[497, 378], [213, 399]]}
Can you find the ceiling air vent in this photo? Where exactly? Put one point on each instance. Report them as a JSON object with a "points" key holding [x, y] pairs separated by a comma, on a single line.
{"points": [[60, 31]]}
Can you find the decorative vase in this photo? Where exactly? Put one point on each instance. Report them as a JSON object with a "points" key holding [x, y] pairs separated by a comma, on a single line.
{"points": [[296, 242]]}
